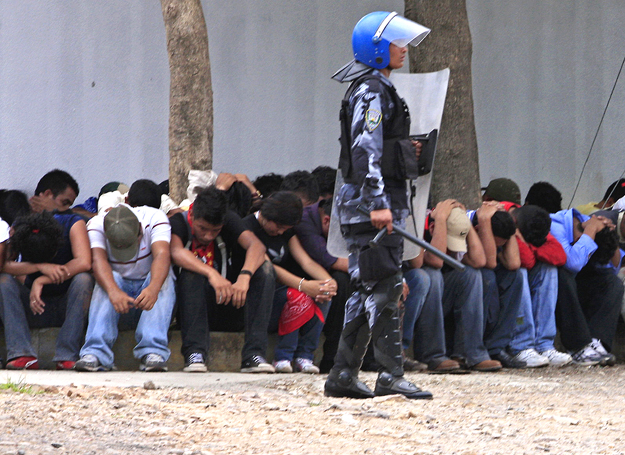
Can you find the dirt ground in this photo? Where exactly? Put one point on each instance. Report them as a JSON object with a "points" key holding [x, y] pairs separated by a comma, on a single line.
{"points": [[562, 411]]}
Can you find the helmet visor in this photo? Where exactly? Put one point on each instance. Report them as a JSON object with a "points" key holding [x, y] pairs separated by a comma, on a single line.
{"points": [[401, 32]]}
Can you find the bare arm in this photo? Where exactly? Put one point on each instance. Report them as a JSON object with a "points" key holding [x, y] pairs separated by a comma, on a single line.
{"points": [[254, 257], [311, 267], [81, 262], [185, 259], [475, 256], [510, 257], [485, 232], [104, 277], [341, 264], [161, 262], [439, 235], [316, 289]]}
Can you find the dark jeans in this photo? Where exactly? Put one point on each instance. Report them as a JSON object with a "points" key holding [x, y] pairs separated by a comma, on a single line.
{"points": [[199, 312], [429, 329], [68, 311], [503, 290], [463, 307], [588, 307]]}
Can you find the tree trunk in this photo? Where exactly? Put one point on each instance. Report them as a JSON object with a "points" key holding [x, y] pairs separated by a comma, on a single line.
{"points": [[190, 93], [456, 170]]}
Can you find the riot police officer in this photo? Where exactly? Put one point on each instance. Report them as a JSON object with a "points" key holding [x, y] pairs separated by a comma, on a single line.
{"points": [[374, 143]]}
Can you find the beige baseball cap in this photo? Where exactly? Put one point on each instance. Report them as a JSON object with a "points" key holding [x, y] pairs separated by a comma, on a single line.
{"points": [[458, 226]]}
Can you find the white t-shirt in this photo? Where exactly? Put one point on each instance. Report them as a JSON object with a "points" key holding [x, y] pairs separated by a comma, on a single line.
{"points": [[155, 227], [4, 231]]}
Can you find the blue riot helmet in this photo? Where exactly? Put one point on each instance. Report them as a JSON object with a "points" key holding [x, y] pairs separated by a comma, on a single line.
{"points": [[376, 31]]}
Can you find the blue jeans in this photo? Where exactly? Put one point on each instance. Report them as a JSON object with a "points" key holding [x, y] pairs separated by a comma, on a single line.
{"points": [[429, 331], [68, 311], [536, 321], [419, 283], [463, 307], [300, 343], [151, 326], [503, 291]]}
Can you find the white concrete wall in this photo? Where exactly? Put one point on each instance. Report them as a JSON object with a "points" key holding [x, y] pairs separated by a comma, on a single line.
{"points": [[84, 86], [276, 108], [542, 75]]}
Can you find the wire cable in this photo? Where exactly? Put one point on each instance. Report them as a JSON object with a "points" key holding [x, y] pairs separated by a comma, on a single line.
{"points": [[597, 133]]}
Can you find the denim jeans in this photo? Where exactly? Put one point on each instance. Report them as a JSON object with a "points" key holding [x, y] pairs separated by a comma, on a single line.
{"points": [[67, 311], [536, 321], [429, 331], [151, 326], [503, 291], [419, 283], [301, 342], [199, 312], [463, 307]]}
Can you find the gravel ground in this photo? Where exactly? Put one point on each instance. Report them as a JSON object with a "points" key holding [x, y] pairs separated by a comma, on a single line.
{"points": [[565, 411]]}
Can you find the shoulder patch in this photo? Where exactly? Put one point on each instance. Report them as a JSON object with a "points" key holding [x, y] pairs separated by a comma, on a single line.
{"points": [[372, 119]]}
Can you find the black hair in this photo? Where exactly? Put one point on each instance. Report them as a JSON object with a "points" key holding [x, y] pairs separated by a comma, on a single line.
{"points": [[144, 192], [502, 224], [37, 237], [268, 184], [283, 207], [164, 186], [303, 183], [56, 181], [534, 224], [326, 206], [607, 243], [616, 190], [13, 203], [325, 176], [239, 199], [545, 195], [211, 205]]}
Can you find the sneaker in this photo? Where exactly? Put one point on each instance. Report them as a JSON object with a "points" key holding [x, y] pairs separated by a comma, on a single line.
{"points": [[282, 366], [509, 361], [607, 358], [90, 362], [23, 363], [153, 362], [194, 363], [256, 364], [531, 358], [557, 358], [305, 366], [65, 365], [586, 356]]}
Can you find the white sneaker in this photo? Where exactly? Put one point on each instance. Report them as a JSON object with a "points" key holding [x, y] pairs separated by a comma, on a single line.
{"points": [[531, 358], [606, 357], [586, 356], [305, 366], [283, 366], [557, 358]]}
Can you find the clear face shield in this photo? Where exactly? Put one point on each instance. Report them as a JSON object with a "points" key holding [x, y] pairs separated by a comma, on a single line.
{"points": [[400, 31]]}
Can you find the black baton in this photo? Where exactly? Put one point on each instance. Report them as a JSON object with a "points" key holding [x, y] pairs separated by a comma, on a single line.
{"points": [[411, 238]]}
